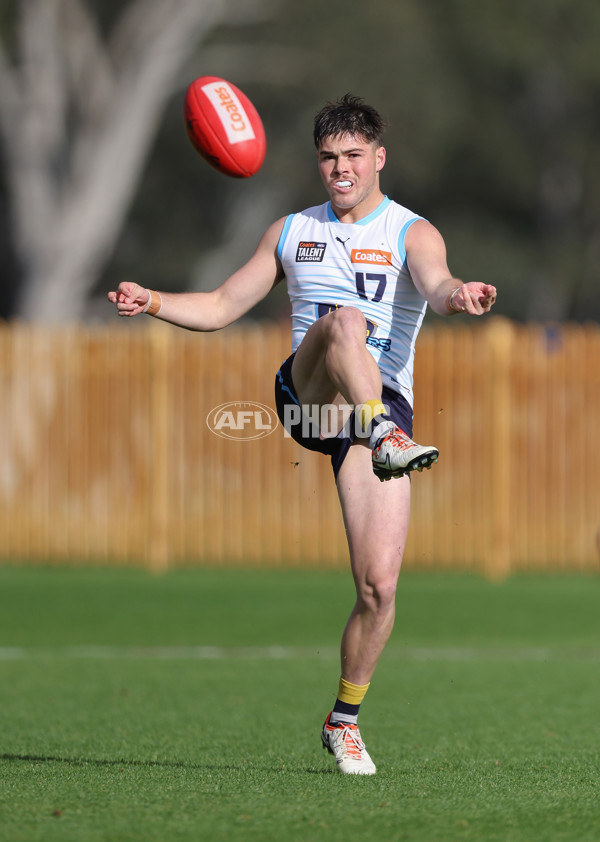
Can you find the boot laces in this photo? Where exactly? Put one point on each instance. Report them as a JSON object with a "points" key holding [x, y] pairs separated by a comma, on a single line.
{"points": [[352, 742], [398, 439]]}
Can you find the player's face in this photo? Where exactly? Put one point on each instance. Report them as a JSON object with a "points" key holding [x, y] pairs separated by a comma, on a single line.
{"points": [[349, 167]]}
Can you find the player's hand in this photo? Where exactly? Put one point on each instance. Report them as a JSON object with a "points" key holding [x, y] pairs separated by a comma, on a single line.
{"points": [[130, 298], [474, 298]]}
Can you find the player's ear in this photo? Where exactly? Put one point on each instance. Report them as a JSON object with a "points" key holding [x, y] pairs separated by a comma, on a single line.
{"points": [[380, 158]]}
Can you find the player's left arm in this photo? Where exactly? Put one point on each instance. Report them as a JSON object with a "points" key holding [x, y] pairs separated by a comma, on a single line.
{"points": [[428, 266]]}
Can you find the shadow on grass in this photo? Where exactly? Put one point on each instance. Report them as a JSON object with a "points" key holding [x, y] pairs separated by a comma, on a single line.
{"points": [[165, 764], [99, 761]]}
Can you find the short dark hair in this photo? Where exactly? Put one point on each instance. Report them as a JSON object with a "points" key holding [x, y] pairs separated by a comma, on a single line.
{"points": [[349, 115]]}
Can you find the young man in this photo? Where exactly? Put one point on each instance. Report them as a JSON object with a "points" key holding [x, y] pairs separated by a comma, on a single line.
{"points": [[360, 271]]}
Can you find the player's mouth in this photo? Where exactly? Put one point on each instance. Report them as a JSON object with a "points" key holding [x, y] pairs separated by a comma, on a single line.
{"points": [[343, 184]]}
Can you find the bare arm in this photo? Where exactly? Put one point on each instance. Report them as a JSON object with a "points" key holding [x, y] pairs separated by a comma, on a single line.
{"points": [[206, 311], [426, 256]]}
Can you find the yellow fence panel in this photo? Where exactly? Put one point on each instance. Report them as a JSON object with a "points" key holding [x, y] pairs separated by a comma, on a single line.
{"points": [[106, 455]]}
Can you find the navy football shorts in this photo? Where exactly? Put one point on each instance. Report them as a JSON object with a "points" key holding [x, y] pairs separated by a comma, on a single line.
{"points": [[337, 447]]}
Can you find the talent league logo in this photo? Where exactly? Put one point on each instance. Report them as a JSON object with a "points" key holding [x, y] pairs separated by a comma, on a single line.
{"points": [[310, 252], [242, 420]]}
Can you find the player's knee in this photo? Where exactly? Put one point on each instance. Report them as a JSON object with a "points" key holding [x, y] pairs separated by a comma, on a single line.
{"points": [[346, 323], [379, 595]]}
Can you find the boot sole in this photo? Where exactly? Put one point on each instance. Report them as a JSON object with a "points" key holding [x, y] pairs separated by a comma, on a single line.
{"points": [[420, 463]]}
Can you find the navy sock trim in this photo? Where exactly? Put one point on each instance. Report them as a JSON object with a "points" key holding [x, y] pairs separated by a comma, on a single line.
{"points": [[344, 707]]}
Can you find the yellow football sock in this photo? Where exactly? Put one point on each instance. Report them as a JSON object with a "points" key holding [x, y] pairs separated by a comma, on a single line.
{"points": [[368, 411], [351, 694]]}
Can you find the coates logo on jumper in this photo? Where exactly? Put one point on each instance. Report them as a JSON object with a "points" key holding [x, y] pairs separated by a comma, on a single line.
{"points": [[231, 112], [310, 252], [242, 420], [375, 257]]}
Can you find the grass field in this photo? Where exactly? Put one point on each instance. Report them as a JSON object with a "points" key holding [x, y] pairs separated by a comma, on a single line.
{"points": [[188, 707]]}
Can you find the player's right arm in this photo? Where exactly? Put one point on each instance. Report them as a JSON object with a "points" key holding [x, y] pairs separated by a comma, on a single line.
{"points": [[207, 311]]}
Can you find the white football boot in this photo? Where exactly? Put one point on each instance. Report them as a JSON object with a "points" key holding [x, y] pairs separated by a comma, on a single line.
{"points": [[345, 743], [395, 455]]}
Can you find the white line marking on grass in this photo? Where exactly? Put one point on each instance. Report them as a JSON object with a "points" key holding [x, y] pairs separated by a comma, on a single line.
{"points": [[274, 653], [11, 653], [158, 653]]}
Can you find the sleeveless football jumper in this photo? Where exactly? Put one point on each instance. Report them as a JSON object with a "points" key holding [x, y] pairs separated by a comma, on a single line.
{"points": [[330, 264]]}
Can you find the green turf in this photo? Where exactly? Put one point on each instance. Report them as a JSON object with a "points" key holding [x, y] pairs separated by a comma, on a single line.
{"points": [[482, 718]]}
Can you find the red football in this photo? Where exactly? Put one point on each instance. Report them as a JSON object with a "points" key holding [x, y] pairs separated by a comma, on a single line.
{"points": [[224, 126]]}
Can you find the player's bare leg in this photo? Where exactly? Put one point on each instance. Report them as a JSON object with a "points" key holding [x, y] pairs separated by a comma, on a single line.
{"points": [[333, 360], [376, 517], [376, 543]]}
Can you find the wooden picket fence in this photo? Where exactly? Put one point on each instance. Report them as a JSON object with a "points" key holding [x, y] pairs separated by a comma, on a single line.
{"points": [[106, 455]]}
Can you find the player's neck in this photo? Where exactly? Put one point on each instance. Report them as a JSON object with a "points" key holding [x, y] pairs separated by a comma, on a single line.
{"points": [[360, 210]]}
